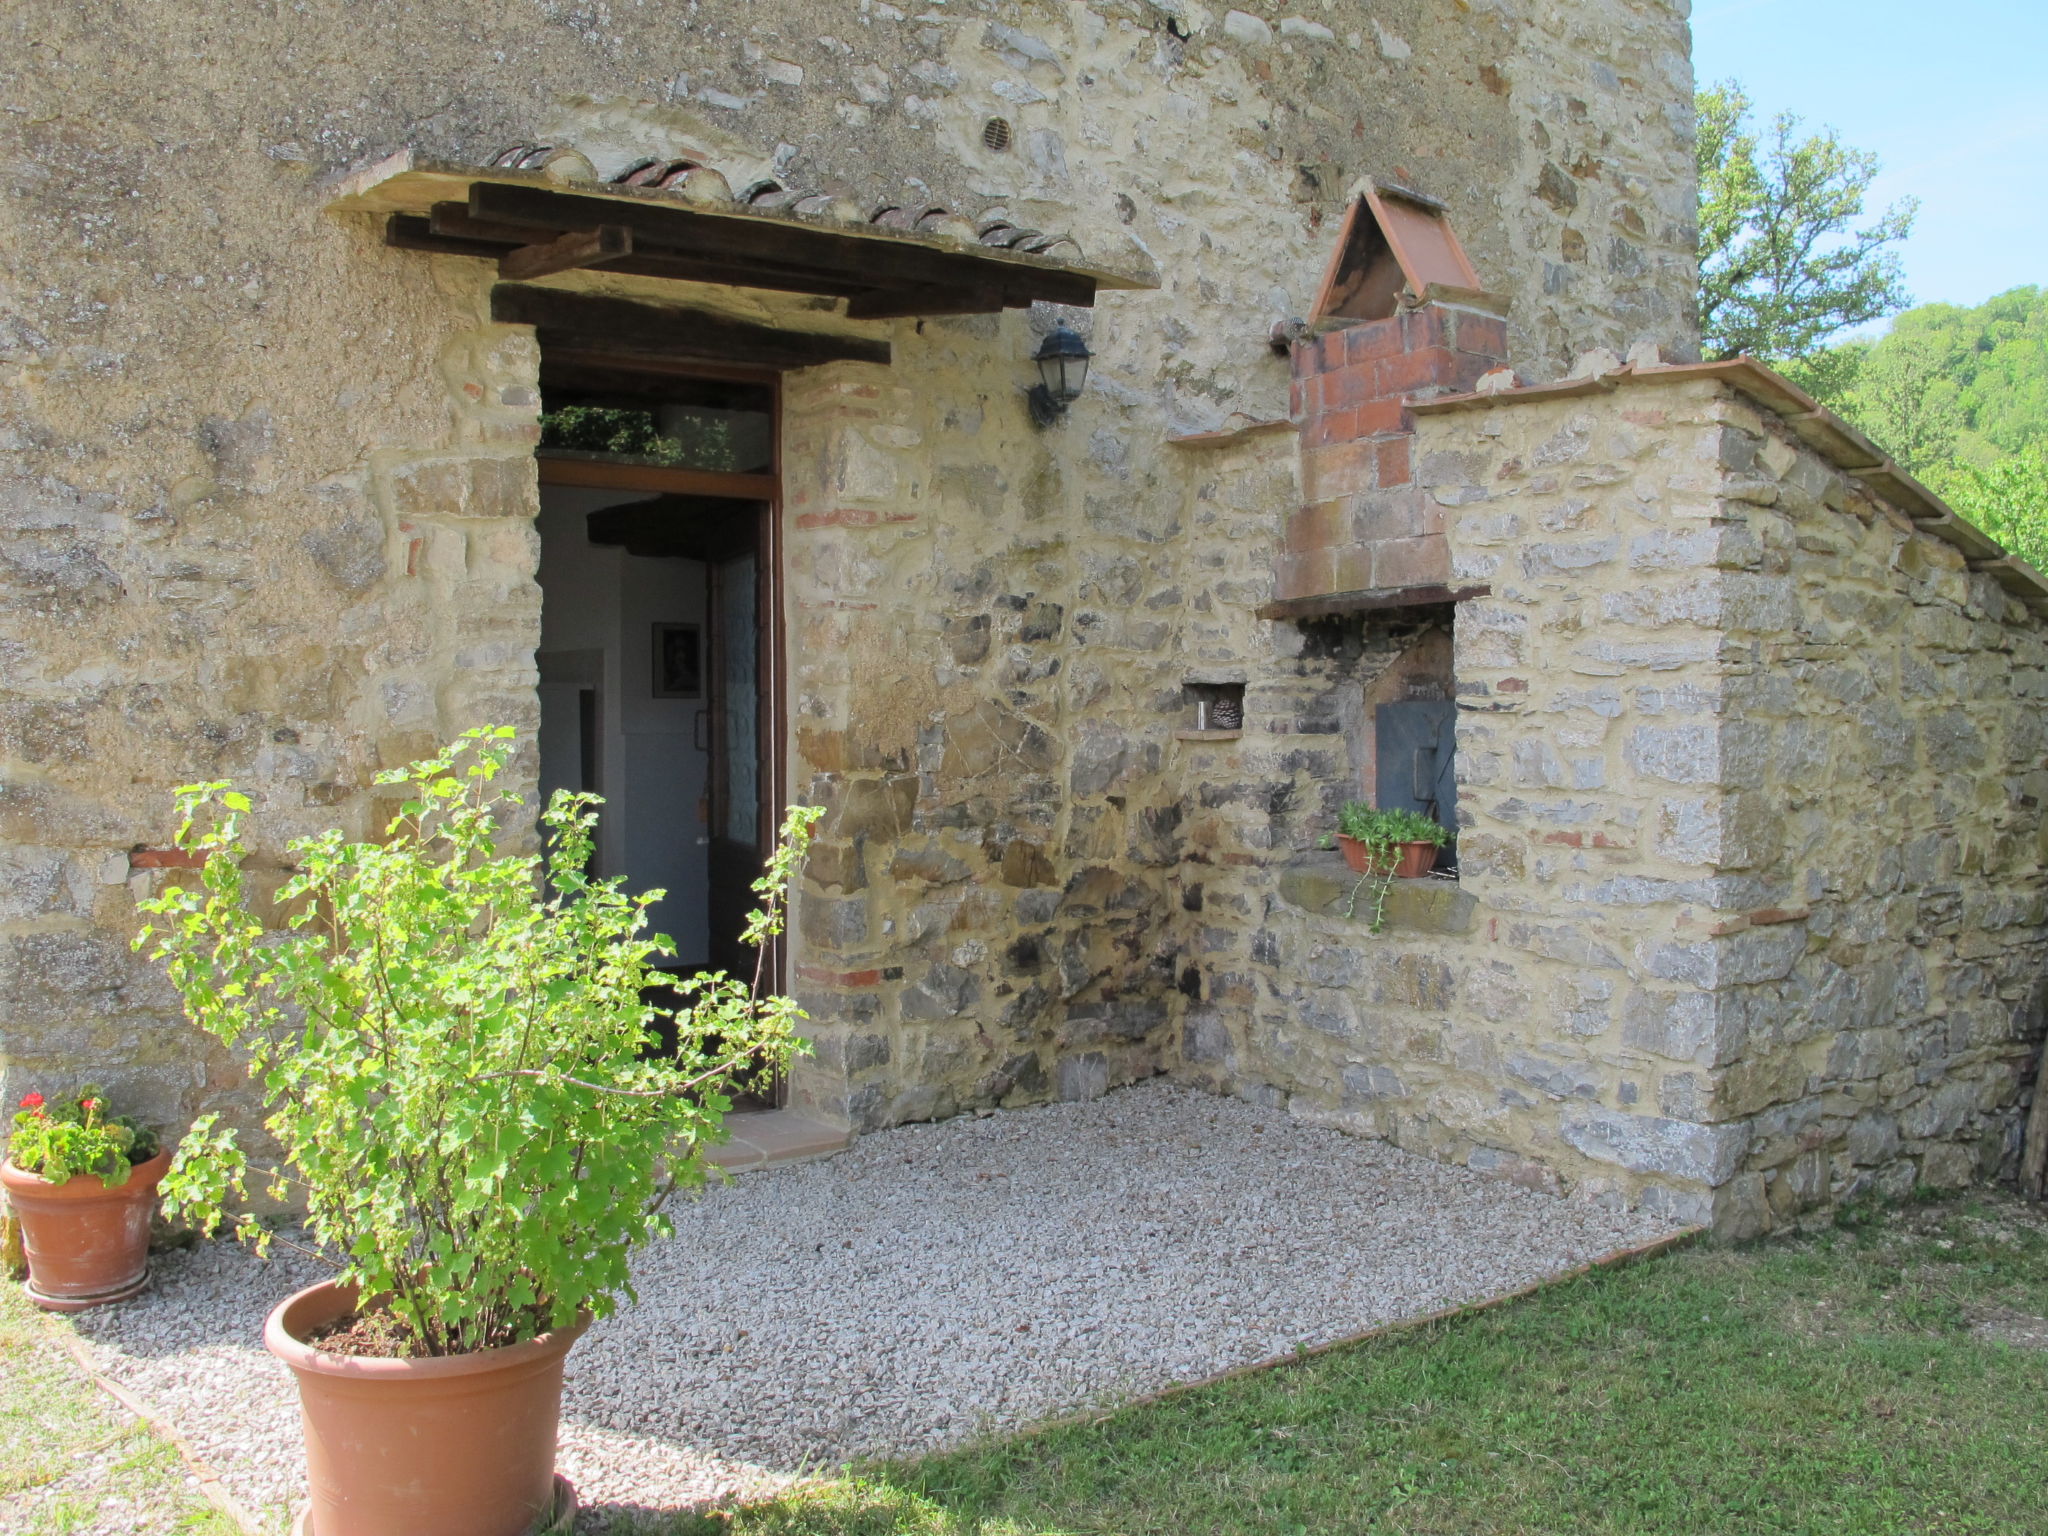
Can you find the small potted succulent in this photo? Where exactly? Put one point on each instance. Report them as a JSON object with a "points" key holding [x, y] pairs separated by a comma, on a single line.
{"points": [[1401, 843], [454, 1048], [83, 1183]]}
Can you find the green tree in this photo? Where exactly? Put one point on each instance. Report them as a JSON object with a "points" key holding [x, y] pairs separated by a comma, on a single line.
{"points": [[1905, 398], [2009, 501], [1996, 355], [1783, 264]]}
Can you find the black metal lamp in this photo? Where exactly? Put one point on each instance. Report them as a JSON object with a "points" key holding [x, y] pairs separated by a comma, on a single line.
{"points": [[1062, 360]]}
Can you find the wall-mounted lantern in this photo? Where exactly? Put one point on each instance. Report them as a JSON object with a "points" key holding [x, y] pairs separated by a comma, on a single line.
{"points": [[1062, 360]]}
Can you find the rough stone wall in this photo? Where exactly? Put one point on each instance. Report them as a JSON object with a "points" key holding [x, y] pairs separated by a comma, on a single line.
{"points": [[1879, 975], [1751, 908], [982, 646], [269, 515], [1486, 1023], [1602, 101]]}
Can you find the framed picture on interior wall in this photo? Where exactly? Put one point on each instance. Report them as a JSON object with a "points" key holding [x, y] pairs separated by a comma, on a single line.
{"points": [[678, 661]]}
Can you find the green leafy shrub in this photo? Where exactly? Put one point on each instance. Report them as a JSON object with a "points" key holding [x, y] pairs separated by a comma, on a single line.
{"points": [[76, 1135], [1385, 829], [449, 1040]]}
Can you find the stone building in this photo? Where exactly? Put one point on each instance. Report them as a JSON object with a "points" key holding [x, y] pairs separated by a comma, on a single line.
{"points": [[1391, 426]]}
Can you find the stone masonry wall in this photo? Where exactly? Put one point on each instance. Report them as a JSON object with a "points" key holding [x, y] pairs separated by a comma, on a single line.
{"points": [[1878, 980], [269, 510], [1750, 915], [1485, 1023]]}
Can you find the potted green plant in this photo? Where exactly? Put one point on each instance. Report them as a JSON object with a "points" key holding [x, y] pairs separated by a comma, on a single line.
{"points": [[451, 1046], [1399, 842], [83, 1183]]}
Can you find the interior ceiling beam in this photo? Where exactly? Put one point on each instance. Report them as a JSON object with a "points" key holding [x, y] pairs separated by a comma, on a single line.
{"points": [[619, 328]]}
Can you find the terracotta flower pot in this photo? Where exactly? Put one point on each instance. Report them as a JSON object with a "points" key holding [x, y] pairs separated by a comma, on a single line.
{"points": [[87, 1245], [462, 1445], [1415, 861], [1359, 856], [1405, 861]]}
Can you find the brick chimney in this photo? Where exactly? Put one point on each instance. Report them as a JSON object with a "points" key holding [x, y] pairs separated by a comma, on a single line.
{"points": [[1364, 526]]}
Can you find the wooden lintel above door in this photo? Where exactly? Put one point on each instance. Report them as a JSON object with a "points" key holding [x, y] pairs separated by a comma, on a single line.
{"points": [[620, 329]]}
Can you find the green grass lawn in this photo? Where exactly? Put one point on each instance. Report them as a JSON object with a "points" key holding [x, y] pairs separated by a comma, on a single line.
{"points": [[1863, 1381], [72, 1460]]}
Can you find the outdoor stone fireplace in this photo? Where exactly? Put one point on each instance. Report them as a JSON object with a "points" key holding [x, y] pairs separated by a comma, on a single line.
{"points": [[1749, 909]]}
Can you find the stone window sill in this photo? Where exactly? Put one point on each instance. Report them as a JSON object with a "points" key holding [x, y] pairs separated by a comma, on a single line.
{"points": [[1207, 735], [1322, 883]]}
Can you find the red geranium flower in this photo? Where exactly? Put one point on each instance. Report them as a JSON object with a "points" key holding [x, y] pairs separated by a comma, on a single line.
{"points": [[88, 1105], [32, 1101]]}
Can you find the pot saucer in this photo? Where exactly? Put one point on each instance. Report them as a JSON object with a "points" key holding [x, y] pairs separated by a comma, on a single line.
{"points": [[561, 1519], [83, 1303]]}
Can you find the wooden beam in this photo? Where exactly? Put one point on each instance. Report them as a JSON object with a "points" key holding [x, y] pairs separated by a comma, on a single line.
{"points": [[620, 328], [678, 379], [899, 303], [881, 279], [452, 220], [565, 253], [409, 232], [612, 474], [783, 246], [1332, 605]]}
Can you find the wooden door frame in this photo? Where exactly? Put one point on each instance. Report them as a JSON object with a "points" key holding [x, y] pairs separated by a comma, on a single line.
{"points": [[772, 657]]}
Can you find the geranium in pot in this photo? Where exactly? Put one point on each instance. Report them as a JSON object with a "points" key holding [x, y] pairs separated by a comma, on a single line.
{"points": [[452, 1046], [82, 1181]]}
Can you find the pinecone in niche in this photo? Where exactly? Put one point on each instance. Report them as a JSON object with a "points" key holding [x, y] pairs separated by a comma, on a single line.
{"points": [[1228, 715]]}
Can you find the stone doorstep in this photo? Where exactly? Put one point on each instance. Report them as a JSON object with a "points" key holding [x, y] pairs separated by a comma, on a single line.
{"points": [[773, 1138]]}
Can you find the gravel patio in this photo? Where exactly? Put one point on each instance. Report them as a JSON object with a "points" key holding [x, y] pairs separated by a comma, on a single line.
{"points": [[931, 1284]]}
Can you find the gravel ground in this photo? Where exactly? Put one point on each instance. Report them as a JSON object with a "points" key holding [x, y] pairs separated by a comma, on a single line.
{"points": [[929, 1285]]}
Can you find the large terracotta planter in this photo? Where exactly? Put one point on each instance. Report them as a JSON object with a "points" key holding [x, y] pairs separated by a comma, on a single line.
{"points": [[87, 1245], [458, 1446], [1407, 861]]}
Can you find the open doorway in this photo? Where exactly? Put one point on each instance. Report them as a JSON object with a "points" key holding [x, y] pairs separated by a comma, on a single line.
{"points": [[660, 622]]}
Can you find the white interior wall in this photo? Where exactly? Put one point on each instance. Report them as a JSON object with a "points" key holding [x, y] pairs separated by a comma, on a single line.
{"points": [[651, 773]]}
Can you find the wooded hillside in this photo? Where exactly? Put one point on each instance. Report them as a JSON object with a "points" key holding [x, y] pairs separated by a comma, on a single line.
{"points": [[1960, 396]]}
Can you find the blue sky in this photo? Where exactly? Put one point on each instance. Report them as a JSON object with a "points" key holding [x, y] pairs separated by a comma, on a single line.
{"points": [[1953, 96]]}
